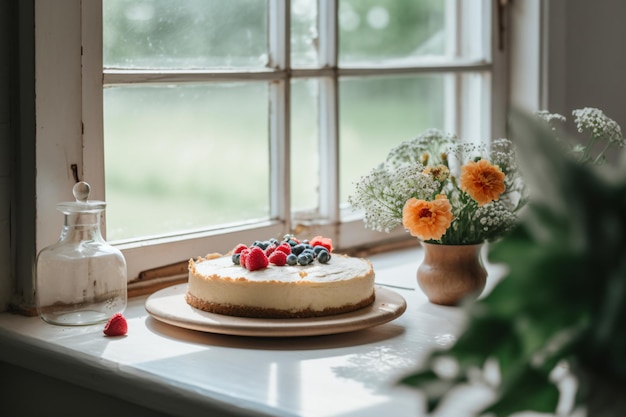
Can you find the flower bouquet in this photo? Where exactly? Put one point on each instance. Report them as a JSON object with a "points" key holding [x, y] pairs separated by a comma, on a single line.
{"points": [[453, 197], [443, 191]]}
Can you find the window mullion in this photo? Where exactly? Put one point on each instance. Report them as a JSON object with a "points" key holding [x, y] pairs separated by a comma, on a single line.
{"points": [[452, 115], [279, 96], [92, 98], [329, 113]]}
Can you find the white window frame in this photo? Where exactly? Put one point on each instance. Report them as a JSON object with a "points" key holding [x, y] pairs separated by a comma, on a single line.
{"points": [[69, 130]]}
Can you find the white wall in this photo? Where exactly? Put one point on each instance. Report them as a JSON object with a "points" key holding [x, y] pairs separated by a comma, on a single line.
{"points": [[586, 57]]}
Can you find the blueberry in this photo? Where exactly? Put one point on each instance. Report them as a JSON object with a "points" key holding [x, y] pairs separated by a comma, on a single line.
{"points": [[310, 252], [305, 259], [298, 249], [274, 241], [319, 248], [323, 256], [235, 258], [292, 259], [260, 244]]}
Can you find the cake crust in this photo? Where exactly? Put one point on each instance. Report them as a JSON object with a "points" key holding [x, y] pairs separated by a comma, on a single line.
{"points": [[261, 312]]}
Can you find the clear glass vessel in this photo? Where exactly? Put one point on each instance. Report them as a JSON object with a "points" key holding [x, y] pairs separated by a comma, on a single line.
{"points": [[80, 279]]}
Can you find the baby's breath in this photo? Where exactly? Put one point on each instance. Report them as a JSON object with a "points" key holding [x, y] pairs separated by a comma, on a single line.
{"points": [[550, 117], [384, 191], [602, 130], [494, 219], [432, 143], [598, 125], [429, 165]]}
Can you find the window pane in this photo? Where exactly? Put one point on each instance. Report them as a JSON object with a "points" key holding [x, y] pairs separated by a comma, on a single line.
{"points": [[305, 146], [304, 33], [377, 114], [375, 30], [191, 34], [186, 157]]}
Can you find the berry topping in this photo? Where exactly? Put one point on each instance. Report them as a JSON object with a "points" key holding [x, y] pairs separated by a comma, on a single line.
{"points": [[318, 249], [298, 249], [290, 251], [116, 326], [263, 244], [322, 241], [305, 258], [269, 250], [243, 256], [284, 247], [239, 248], [323, 256], [292, 259], [291, 239], [256, 259], [278, 258]]}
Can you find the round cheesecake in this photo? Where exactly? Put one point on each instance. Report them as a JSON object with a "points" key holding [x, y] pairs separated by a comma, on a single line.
{"points": [[343, 284]]}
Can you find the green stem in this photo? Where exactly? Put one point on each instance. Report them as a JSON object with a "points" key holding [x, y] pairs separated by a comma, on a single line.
{"points": [[587, 149], [595, 161]]}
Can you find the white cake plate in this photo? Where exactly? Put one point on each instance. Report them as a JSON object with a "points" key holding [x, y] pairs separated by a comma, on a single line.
{"points": [[169, 306]]}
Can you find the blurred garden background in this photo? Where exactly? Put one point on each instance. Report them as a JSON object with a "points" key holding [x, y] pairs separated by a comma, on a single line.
{"points": [[191, 156]]}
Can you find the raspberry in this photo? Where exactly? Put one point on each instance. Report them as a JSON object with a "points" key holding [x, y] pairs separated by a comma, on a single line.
{"points": [[284, 247], [269, 250], [116, 326], [256, 259], [278, 258], [239, 248], [243, 256], [322, 241]]}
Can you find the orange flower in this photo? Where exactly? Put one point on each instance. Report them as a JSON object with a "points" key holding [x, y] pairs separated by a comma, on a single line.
{"points": [[427, 219], [483, 181], [439, 172]]}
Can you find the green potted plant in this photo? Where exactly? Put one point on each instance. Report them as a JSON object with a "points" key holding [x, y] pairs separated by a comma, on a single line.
{"points": [[562, 304]]}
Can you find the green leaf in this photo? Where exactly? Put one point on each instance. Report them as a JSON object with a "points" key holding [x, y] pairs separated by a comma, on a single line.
{"points": [[433, 387], [530, 390], [480, 341]]}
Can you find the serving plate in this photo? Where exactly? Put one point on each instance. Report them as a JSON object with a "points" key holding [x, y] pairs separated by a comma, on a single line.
{"points": [[169, 306]]}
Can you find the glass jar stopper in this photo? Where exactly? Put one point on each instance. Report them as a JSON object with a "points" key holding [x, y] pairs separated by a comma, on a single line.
{"points": [[81, 191], [81, 203]]}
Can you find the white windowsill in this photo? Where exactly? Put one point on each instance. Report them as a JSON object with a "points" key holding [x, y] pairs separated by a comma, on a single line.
{"points": [[183, 372]]}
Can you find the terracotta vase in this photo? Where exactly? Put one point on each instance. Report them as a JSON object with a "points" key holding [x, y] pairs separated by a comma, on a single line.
{"points": [[451, 273]]}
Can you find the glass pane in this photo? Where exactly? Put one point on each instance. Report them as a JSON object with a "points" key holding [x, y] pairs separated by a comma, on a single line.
{"points": [[184, 157], [304, 34], [379, 113], [185, 35], [376, 30], [305, 146]]}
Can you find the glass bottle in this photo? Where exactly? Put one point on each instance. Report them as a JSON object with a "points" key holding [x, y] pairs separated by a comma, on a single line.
{"points": [[80, 279]]}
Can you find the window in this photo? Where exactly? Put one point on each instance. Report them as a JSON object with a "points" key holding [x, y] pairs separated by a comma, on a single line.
{"points": [[208, 123]]}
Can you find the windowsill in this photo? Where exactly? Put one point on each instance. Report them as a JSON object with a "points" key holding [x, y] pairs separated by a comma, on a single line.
{"points": [[182, 372]]}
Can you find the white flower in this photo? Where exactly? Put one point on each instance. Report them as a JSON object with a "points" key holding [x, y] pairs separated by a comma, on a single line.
{"points": [[598, 125], [433, 142], [423, 168], [383, 192], [550, 117], [495, 219]]}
